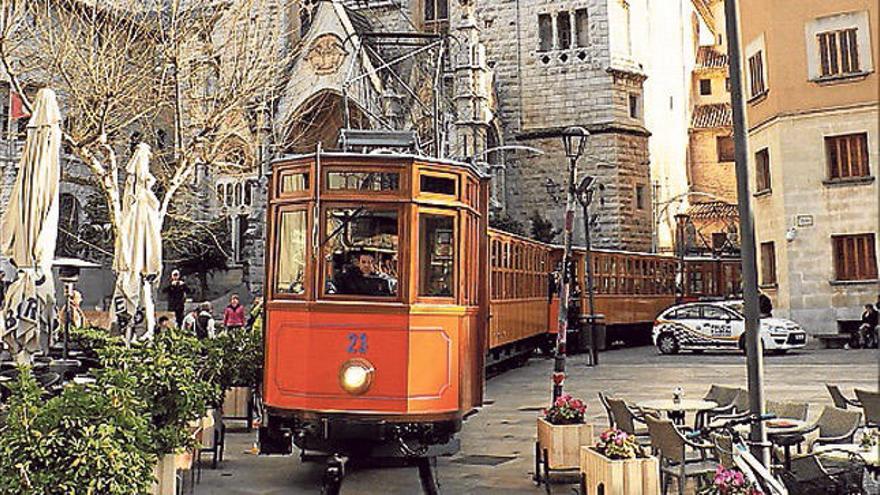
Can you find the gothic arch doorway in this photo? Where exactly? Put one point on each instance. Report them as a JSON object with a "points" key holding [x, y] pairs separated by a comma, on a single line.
{"points": [[319, 119]]}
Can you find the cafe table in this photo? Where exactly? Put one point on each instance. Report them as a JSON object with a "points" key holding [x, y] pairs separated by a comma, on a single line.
{"points": [[676, 409], [785, 433]]}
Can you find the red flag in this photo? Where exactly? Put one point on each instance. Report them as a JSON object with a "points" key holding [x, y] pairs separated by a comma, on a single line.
{"points": [[16, 107]]}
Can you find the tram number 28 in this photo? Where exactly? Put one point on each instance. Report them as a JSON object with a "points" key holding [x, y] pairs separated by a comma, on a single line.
{"points": [[357, 343]]}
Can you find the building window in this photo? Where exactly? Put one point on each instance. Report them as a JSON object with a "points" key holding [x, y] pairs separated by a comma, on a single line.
{"points": [[839, 52], [641, 202], [756, 74], [705, 87], [768, 263], [847, 156], [634, 106], [582, 26], [436, 10], [545, 32], [724, 148], [855, 257], [563, 30], [762, 170]]}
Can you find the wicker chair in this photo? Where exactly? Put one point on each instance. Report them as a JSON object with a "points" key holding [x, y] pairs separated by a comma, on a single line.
{"points": [[721, 395], [603, 398], [724, 450], [840, 401], [740, 407], [672, 447], [836, 425], [625, 419], [870, 402], [788, 410]]}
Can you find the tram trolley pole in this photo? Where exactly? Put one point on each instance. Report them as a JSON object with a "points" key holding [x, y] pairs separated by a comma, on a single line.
{"points": [[573, 139]]}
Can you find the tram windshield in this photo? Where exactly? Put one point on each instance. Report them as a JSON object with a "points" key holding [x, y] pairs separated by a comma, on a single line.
{"points": [[360, 252]]}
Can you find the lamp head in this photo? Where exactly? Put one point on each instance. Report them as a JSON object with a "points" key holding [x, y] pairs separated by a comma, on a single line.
{"points": [[574, 139]]}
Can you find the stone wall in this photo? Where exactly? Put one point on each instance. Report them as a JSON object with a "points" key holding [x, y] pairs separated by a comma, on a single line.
{"points": [[708, 175]]}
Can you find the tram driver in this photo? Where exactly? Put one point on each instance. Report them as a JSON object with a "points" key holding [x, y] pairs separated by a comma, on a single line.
{"points": [[364, 278]]}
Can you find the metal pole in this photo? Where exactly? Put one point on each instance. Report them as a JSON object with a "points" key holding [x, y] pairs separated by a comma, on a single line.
{"points": [[67, 318], [754, 358], [562, 321], [594, 349]]}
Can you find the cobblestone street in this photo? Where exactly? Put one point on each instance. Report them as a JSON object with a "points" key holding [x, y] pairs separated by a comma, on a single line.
{"points": [[498, 443]]}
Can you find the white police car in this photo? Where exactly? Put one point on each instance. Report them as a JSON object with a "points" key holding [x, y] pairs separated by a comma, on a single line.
{"points": [[720, 325]]}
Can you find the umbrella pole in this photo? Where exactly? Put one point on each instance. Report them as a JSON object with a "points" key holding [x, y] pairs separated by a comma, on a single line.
{"points": [[67, 317]]}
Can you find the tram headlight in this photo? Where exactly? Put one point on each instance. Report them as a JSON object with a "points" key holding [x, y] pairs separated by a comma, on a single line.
{"points": [[356, 376]]}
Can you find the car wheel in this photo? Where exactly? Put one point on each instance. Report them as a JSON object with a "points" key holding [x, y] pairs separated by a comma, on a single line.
{"points": [[742, 343], [667, 344]]}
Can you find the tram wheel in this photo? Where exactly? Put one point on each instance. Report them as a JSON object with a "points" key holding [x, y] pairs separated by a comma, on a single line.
{"points": [[333, 475], [430, 486], [667, 343]]}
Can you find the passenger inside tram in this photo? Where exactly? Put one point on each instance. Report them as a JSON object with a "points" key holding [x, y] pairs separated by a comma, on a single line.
{"points": [[365, 277]]}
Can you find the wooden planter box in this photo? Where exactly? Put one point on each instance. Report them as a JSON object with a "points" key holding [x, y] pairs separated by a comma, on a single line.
{"points": [[562, 443], [619, 477], [237, 402], [165, 476]]}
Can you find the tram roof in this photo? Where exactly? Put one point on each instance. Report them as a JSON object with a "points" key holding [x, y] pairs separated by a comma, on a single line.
{"points": [[384, 156]]}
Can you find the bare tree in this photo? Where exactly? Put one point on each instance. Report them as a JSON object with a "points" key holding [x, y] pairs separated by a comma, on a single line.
{"points": [[189, 77]]}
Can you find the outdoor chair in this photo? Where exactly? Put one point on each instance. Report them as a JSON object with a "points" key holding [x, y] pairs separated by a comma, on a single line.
{"points": [[672, 449], [724, 449], [840, 401], [723, 396], [603, 398], [836, 425], [870, 402], [740, 408], [625, 419], [788, 410]]}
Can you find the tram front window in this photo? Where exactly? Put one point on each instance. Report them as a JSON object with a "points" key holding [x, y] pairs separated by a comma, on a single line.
{"points": [[291, 253], [361, 252]]}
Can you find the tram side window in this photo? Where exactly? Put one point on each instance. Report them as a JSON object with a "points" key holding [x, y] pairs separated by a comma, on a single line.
{"points": [[292, 253], [363, 181], [360, 251], [294, 182], [437, 255]]}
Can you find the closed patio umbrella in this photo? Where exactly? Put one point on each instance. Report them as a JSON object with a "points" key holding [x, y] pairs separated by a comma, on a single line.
{"points": [[138, 257], [29, 228]]}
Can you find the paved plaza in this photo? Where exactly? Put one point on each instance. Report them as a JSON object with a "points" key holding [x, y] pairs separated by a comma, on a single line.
{"points": [[498, 443]]}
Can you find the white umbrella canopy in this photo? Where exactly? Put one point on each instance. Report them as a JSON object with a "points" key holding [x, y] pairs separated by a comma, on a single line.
{"points": [[138, 257], [29, 229]]}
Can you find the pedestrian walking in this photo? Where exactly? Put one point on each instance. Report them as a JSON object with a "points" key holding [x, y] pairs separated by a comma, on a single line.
{"points": [[868, 327], [765, 305], [234, 314], [177, 291], [205, 322]]}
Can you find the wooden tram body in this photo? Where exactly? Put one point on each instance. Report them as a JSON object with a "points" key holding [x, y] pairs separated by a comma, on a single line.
{"points": [[387, 295], [414, 352]]}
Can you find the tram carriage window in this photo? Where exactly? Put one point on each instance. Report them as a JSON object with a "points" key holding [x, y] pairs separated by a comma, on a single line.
{"points": [[290, 275], [363, 181], [437, 185], [437, 255], [294, 182], [360, 252]]}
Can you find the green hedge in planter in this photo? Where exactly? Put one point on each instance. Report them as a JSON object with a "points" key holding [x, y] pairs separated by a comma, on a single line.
{"points": [[237, 358], [174, 378], [91, 439]]}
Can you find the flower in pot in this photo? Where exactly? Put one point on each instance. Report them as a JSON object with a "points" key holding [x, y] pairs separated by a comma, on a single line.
{"points": [[566, 411], [730, 482], [868, 441], [617, 444]]}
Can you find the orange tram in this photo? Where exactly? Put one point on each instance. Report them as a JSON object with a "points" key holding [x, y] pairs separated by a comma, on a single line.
{"points": [[387, 295]]}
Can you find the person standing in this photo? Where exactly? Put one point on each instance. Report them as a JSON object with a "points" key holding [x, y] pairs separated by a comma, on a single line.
{"points": [[234, 314], [205, 322], [765, 305], [177, 291], [868, 328], [189, 321]]}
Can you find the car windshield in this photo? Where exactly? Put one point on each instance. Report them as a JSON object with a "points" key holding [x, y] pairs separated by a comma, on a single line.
{"points": [[736, 307]]}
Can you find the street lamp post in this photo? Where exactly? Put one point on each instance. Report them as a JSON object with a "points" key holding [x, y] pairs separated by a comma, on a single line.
{"points": [[585, 197], [573, 139]]}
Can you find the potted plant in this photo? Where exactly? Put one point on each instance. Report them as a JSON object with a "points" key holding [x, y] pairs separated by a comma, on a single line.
{"points": [[91, 438], [729, 482], [617, 464], [562, 432], [868, 441]]}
